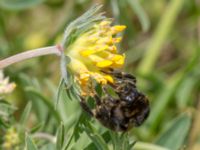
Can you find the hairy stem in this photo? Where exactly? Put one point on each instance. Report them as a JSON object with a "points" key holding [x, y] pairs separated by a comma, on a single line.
{"points": [[149, 146], [45, 136], [56, 49]]}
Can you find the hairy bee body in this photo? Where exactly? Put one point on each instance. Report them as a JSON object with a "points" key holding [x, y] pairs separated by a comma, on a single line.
{"points": [[130, 109]]}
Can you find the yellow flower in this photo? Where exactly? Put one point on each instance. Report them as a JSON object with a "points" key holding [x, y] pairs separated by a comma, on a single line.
{"points": [[5, 86], [94, 51], [11, 139]]}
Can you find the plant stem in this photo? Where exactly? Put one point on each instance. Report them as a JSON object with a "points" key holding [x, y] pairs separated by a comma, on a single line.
{"points": [[141, 14], [56, 49], [45, 136], [149, 146], [160, 35]]}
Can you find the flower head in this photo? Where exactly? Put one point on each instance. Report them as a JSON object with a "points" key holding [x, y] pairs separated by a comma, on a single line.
{"points": [[91, 44], [11, 139], [93, 51], [5, 86]]}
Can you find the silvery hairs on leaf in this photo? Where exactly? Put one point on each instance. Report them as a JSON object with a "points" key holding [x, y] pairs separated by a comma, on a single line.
{"points": [[81, 25], [66, 76], [72, 32]]}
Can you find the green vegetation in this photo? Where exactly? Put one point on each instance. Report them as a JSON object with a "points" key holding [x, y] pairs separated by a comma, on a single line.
{"points": [[162, 47]]}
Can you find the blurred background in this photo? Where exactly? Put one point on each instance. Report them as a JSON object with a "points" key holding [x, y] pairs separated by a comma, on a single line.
{"points": [[162, 47]]}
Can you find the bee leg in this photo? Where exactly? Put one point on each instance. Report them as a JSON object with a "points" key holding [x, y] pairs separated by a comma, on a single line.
{"points": [[125, 76], [85, 107]]}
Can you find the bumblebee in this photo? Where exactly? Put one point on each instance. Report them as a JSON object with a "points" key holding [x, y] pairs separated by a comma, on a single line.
{"points": [[129, 109]]}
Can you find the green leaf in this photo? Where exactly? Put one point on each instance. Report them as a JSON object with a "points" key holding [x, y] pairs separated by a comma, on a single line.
{"points": [[120, 141], [185, 91], [148, 146], [75, 134], [7, 108], [48, 146], [59, 91], [73, 92], [49, 105], [159, 38], [95, 137], [174, 137], [36, 127], [68, 142], [29, 143], [19, 4], [25, 115], [66, 76], [60, 137], [115, 140], [144, 20], [166, 94], [126, 145], [106, 137], [81, 24], [3, 124]]}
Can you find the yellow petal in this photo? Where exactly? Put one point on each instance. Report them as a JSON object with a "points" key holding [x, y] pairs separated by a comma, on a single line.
{"points": [[93, 50], [99, 77], [84, 76], [118, 60], [77, 66], [117, 57], [109, 41], [113, 48], [118, 28], [117, 40], [109, 78], [86, 53], [93, 39], [104, 63], [95, 58], [105, 23]]}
